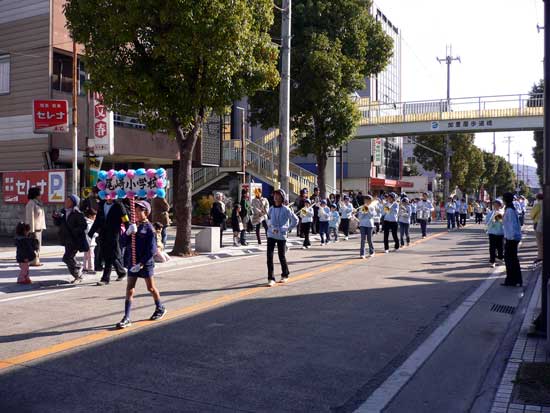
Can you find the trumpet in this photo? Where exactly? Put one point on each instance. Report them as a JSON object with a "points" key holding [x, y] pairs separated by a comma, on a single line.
{"points": [[498, 217], [303, 211]]}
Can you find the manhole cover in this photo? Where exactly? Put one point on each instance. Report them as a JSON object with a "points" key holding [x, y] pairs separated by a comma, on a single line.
{"points": [[506, 309], [533, 384]]}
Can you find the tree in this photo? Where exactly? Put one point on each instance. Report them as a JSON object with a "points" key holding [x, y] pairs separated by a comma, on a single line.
{"points": [[411, 170], [504, 178], [336, 44], [476, 167], [538, 149], [172, 62]]}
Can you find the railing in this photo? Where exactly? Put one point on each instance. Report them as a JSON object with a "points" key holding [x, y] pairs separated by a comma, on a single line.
{"points": [[201, 176], [375, 113]]}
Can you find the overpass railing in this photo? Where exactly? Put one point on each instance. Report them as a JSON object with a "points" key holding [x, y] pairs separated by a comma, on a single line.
{"points": [[375, 113]]}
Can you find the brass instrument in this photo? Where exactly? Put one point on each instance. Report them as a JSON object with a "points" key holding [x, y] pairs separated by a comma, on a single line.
{"points": [[303, 211], [498, 217]]}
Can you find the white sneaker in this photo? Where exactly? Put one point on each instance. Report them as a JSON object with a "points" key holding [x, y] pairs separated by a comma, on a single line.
{"points": [[346, 238], [493, 265], [322, 244], [386, 251], [304, 248], [271, 283], [308, 247], [363, 257], [372, 255], [284, 280]]}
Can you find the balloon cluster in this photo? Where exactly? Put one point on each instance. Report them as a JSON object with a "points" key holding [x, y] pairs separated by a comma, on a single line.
{"points": [[139, 183]]}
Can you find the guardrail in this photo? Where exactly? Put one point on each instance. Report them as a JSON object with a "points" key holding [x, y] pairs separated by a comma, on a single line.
{"points": [[375, 113]]}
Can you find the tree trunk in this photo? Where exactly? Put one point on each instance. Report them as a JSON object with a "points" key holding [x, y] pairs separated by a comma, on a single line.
{"points": [[321, 167], [183, 205]]}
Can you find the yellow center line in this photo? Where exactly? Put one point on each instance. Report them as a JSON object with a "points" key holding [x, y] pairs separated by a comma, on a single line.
{"points": [[185, 311]]}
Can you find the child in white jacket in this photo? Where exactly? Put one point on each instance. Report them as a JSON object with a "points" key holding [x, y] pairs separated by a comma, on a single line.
{"points": [[324, 218], [334, 222]]}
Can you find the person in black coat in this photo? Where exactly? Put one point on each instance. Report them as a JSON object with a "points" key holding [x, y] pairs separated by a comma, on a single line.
{"points": [[110, 221], [219, 216], [72, 234]]}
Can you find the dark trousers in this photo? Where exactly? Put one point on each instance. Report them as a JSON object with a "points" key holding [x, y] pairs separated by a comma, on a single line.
{"points": [[98, 259], [450, 220], [68, 259], [306, 226], [366, 235], [496, 246], [345, 226], [522, 218], [281, 250], [376, 227], [315, 224], [479, 218], [113, 258], [463, 219], [457, 219], [164, 235], [513, 269], [323, 231], [423, 226], [390, 227], [404, 232], [413, 218], [261, 224]]}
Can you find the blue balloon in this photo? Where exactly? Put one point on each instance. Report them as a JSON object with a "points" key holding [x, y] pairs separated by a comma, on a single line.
{"points": [[142, 193], [161, 172], [140, 172], [161, 193], [121, 174], [102, 194], [121, 193], [102, 175]]}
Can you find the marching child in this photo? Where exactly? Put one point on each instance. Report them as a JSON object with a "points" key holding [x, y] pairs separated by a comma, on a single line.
{"points": [[26, 248], [88, 265], [346, 209], [306, 213], [495, 230], [366, 215], [378, 210], [334, 221], [463, 210], [404, 221], [390, 222], [324, 218], [281, 220], [450, 209], [161, 255], [237, 224], [413, 211], [145, 249]]}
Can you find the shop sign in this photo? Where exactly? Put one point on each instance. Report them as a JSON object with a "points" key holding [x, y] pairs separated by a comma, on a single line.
{"points": [[102, 127], [50, 116], [16, 184], [377, 152]]}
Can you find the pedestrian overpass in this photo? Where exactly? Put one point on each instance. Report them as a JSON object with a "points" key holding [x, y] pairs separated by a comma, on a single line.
{"points": [[461, 115]]}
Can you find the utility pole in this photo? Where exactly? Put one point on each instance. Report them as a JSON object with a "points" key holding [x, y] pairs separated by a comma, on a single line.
{"points": [[494, 153], [518, 155], [448, 59], [509, 139], [284, 97], [74, 187]]}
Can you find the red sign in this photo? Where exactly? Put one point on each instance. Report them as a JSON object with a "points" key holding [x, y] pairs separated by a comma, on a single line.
{"points": [[16, 184], [103, 127], [51, 116]]}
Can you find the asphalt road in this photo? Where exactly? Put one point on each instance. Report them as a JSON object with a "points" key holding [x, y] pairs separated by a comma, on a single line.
{"points": [[323, 342]]}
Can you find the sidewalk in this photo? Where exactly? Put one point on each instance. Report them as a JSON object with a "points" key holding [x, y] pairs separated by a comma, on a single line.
{"points": [[527, 349]]}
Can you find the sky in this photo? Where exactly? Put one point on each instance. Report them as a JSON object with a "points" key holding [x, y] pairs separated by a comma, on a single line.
{"points": [[497, 40]]}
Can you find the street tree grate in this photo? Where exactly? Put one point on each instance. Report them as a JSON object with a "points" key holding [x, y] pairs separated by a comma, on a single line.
{"points": [[532, 384], [505, 309]]}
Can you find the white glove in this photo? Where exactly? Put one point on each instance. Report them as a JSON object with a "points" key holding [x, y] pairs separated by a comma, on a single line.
{"points": [[132, 229], [136, 268]]}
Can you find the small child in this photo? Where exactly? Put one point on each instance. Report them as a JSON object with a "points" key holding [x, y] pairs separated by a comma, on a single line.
{"points": [[237, 225], [88, 266], [161, 255], [334, 222], [324, 218], [306, 213], [366, 215], [404, 218], [25, 252]]}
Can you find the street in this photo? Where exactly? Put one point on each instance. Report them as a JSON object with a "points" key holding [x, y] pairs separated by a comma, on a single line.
{"points": [[325, 341]]}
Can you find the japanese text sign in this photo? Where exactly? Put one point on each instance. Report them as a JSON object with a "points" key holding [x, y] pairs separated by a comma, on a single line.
{"points": [[140, 183], [50, 116], [103, 127], [16, 184]]}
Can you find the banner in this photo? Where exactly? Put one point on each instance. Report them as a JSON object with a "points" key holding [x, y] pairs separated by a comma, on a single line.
{"points": [[94, 166], [140, 183], [50, 116], [102, 127], [16, 184], [377, 158]]}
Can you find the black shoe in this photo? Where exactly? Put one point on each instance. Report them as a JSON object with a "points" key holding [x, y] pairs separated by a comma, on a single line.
{"points": [[125, 322], [158, 314], [102, 282], [121, 277]]}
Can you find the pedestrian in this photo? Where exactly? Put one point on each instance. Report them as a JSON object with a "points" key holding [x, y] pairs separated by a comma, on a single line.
{"points": [[463, 211], [413, 211], [495, 231], [450, 209], [160, 256], [424, 209], [259, 206], [334, 222], [218, 215], [512, 237], [366, 215], [36, 218], [281, 220], [246, 212], [324, 218], [298, 205], [457, 212], [144, 264], [404, 218], [25, 252], [160, 212], [522, 203], [111, 220], [315, 200], [390, 222], [306, 214], [478, 211], [89, 258], [237, 225], [536, 216], [72, 234], [346, 210]]}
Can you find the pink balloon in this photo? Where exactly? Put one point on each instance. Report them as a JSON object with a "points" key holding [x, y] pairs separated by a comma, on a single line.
{"points": [[160, 183], [110, 173], [101, 185], [130, 194], [151, 194], [109, 196], [130, 173], [151, 173]]}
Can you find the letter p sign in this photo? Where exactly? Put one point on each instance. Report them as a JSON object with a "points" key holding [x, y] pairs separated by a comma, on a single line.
{"points": [[56, 186]]}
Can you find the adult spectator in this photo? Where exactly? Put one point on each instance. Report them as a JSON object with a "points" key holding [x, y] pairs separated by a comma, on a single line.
{"points": [[109, 222], [536, 216], [35, 217], [218, 215], [315, 199], [160, 213], [260, 206], [245, 213], [512, 237]]}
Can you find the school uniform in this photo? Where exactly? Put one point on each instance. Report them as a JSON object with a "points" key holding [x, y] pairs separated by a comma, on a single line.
{"points": [[512, 237], [424, 210], [463, 211], [347, 212], [366, 217], [333, 224], [146, 248], [478, 212], [324, 218], [450, 209], [306, 213], [281, 220], [495, 231], [521, 211], [404, 223], [390, 225], [377, 218], [457, 213], [413, 213]]}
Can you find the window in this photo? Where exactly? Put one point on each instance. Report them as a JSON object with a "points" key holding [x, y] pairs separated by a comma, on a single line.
{"points": [[62, 74], [4, 74]]}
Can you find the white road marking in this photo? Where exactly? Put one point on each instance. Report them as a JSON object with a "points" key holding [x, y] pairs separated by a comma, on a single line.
{"points": [[39, 294], [384, 394]]}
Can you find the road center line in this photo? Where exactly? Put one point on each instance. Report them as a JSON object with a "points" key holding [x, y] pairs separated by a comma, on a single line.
{"points": [[384, 394]]}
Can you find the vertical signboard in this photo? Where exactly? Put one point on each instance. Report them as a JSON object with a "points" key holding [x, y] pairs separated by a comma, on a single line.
{"points": [[102, 127], [377, 152]]}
